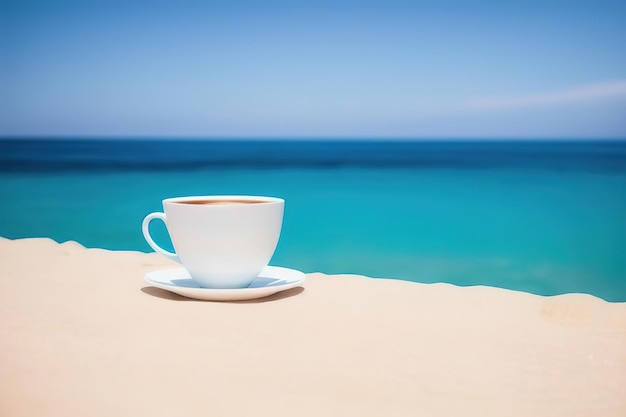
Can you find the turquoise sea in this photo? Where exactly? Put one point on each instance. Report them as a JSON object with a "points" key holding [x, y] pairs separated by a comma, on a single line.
{"points": [[542, 217]]}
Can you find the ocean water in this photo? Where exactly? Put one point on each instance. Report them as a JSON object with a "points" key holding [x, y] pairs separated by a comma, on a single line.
{"points": [[543, 217]]}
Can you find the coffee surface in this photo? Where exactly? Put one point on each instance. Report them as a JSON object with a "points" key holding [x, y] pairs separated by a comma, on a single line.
{"points": [[221, 202]]}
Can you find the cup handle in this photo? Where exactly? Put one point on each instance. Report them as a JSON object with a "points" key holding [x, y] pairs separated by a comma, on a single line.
{"points": [[153, 245]]}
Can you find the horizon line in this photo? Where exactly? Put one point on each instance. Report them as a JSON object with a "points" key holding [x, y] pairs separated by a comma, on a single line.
{"points": [[311, 138]]}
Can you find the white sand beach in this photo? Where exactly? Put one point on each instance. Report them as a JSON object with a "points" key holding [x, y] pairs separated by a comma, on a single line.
{"points": [[82, 334]]}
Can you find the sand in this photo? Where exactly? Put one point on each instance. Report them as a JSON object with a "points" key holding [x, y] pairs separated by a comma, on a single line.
{"points": [[81, 334]]}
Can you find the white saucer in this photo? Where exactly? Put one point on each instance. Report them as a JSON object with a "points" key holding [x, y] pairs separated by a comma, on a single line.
{"points": [[272, 279]]}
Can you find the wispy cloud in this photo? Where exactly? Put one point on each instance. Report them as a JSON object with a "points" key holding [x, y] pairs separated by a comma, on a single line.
{"points": [[580, 94]]}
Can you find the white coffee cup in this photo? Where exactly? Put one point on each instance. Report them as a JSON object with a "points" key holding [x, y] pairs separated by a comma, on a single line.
{"points": [[223, 241]]}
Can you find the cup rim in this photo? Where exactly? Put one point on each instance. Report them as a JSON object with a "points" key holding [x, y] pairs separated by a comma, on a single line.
{"points": [[263, 199]]}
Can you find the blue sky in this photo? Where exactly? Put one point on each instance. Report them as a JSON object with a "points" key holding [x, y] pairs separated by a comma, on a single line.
{"points": [[418, 69]]}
